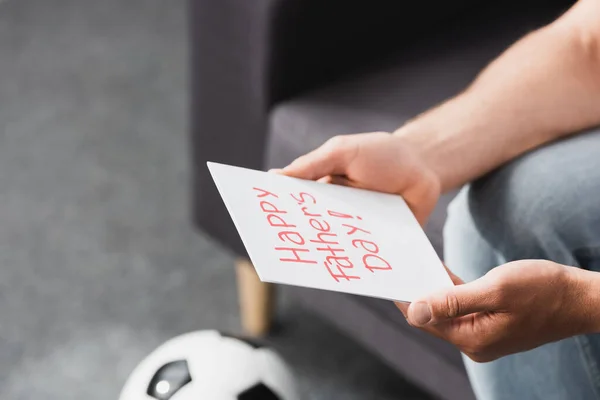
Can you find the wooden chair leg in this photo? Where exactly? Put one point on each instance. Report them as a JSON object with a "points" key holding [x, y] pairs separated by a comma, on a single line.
{"points": [[256, 300]]}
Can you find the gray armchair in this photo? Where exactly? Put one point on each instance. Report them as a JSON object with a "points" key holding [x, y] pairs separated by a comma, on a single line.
{"points": [[273, 79]]}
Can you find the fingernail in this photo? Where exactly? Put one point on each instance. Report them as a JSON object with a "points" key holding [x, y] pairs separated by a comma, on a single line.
{"points": [[275, 170], [421, 315]]}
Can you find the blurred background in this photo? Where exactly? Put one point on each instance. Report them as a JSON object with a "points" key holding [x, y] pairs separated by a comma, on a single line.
{"points": [[113, 238], [100, 261]]}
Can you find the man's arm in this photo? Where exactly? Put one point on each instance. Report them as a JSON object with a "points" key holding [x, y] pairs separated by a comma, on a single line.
{"points": [[544, 87]]}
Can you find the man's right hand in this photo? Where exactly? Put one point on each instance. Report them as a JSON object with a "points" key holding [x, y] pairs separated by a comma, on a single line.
{"points": [[376, 161]]}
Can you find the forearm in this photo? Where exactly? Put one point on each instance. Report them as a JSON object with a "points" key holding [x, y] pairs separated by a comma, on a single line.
{"points": [[544, 87]]}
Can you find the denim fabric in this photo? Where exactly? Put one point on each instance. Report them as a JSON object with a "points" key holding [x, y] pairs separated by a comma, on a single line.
{"points": [[544, 205]]}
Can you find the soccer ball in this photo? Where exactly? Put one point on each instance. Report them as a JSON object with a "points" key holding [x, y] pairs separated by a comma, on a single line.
{"points": [[209, 365]]}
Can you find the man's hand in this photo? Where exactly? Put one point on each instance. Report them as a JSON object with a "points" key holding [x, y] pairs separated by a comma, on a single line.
{"points": [[514, 307], [377, 161]]}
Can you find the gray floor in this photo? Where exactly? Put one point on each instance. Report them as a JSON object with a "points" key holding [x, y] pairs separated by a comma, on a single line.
{"points": [[98, 261]]}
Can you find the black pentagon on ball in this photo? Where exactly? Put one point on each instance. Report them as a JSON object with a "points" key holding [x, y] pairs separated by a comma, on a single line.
{"points": [[251, 342], [169, 379], [260, 391]]}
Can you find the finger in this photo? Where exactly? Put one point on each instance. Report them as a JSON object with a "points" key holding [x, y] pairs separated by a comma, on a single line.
{"points": [[403, 307], [439, 330], [476, 334], [275, 171], [457, 301], [325, 179], [332, 158]]}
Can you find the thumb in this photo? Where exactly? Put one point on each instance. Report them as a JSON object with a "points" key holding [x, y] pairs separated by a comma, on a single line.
{"points": [[332, 158], [453, 302]]}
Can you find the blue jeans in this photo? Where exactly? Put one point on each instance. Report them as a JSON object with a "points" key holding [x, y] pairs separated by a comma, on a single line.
{"points": [[543, 205]]}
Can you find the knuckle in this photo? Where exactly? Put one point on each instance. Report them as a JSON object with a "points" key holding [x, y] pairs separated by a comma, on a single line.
{"points": [[495, 278], [342, 147], [452, 306], [499, 294], [503, 284], [335, 147], [500, 290], [337, 141]]}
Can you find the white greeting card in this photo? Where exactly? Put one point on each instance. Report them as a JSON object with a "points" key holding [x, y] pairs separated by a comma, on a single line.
{"points": [[329, 237]]}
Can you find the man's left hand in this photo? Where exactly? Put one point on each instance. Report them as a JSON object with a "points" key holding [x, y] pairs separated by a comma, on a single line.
{"points": [[515, 307]]}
